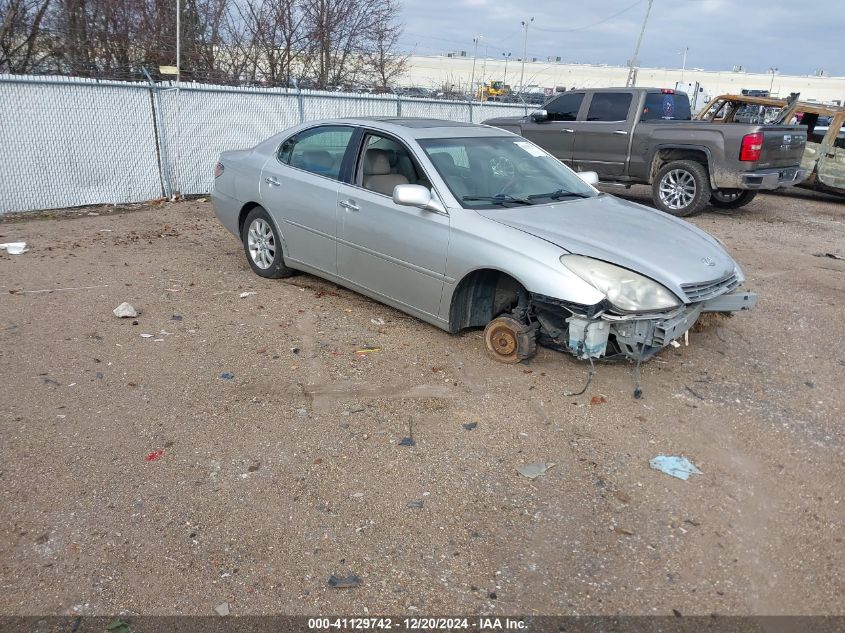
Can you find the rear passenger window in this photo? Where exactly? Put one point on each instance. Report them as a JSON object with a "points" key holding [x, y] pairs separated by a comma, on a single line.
{"points": [[609, 106], [565, 107], [318, 150]]}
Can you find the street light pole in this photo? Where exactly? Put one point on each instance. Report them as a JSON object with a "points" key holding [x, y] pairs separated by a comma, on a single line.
{"points": [[772, 82], [505, 78], [684, 67], [524, 54], [472, 76]]}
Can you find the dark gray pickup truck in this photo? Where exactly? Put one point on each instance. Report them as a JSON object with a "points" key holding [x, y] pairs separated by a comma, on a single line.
{"points": [[645, 136]]}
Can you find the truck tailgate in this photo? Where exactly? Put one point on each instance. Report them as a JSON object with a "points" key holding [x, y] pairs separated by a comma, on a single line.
{"points": [[783, 146]]}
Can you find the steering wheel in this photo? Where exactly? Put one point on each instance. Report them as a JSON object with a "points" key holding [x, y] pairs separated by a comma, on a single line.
{"points": [[502, 167]]}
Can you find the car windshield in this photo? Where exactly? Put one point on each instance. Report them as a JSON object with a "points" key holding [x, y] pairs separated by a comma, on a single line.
{"points": [[493, 171]]}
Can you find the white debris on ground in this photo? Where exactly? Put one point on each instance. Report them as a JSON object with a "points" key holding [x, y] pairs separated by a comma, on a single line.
{"points": [[14, 248], [125, 311]]}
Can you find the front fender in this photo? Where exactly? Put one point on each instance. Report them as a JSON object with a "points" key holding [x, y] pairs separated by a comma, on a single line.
{"points": [[477, 243]]}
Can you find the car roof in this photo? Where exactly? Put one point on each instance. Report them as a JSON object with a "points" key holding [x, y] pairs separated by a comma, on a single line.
{"points": [[417, 127], [618, 89]]}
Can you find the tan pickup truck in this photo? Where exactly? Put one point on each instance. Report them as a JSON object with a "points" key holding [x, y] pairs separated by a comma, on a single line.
{"points": [[824, 154]]}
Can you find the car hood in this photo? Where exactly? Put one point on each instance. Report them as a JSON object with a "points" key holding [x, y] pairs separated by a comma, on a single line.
{"points": [[649, 242]]}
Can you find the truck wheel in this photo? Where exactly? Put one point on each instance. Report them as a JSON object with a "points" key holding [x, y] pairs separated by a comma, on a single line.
{"points": [[509, 341], [731, 198], [681, 188]]}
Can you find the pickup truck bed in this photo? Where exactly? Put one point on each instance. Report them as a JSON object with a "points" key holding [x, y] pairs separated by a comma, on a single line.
{"points": [[644, 135]]}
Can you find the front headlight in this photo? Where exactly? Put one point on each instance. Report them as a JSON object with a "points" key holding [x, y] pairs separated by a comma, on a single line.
{"points": [[626, 290]]}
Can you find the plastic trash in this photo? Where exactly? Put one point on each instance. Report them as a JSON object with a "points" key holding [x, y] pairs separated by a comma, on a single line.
{"points": [[674, 466], [227, 375], [532, 471], [222, 609], [244, 295], [155, 455], [469, 426], [347, 582], [14, 248], [407, 441]]}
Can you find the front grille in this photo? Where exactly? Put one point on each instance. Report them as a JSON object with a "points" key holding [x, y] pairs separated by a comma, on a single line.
{"points": [[709, 289]]}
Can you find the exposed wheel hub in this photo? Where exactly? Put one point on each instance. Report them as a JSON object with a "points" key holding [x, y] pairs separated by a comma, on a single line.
{"points": [[508, 340]]}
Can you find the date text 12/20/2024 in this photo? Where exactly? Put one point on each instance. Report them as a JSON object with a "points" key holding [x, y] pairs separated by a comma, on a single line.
{"points": [[416, 624]]}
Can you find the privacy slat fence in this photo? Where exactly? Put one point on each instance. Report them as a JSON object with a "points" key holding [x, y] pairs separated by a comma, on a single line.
{"points": [[70, 141]]}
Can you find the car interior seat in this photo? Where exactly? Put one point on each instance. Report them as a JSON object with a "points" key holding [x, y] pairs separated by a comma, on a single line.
{"points": [[445, 164], [378, 175]]}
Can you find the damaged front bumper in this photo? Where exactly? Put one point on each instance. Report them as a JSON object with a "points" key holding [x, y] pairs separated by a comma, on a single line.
{"points": [[601, 333]]}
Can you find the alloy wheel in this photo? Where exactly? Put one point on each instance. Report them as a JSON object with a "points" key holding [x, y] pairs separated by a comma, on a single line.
{"points": [[261, 242], [677, 189]]}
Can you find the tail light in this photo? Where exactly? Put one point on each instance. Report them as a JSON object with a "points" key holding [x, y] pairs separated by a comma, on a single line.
{"points": [[667, 91], [218, 169], [752, 147]]}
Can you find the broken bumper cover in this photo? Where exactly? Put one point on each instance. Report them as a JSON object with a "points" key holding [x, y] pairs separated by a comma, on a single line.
{"points": [[639, 338], [773, 178], [595, 331]]}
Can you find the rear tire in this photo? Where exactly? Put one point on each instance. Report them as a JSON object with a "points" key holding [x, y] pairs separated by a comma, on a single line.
{"points": [[263, 245], [681, 188], [509, 341], [731, 198]]}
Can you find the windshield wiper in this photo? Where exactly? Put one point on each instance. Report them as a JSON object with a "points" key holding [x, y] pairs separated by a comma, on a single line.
{"points": [[499, 198], [560, 193]]}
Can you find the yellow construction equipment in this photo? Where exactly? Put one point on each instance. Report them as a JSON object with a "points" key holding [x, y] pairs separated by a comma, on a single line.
{"points": [[493, 91]]}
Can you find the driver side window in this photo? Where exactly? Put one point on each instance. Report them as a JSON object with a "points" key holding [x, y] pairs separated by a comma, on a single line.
{"points": [[386, 163], [565, 107]]}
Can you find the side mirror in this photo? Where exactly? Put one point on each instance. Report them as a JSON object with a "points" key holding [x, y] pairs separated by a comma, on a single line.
{"points": [[590, 177], [416, 196], [538, 116]]}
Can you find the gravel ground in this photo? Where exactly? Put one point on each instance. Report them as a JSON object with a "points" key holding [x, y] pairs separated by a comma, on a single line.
{"points": [[268, 483]]}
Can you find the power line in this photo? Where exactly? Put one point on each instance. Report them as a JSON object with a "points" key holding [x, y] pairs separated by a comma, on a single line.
{"points": [[589, 26]]}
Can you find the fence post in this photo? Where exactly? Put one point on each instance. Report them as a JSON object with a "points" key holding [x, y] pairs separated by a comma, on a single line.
{"points": [[163, 161], [301, 101], [470, 111], [398, 105]]}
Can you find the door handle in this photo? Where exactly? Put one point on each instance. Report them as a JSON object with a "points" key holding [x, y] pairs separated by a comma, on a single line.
{"points": [[568, 130], [619, 132], [272, 181], [349, 204]]}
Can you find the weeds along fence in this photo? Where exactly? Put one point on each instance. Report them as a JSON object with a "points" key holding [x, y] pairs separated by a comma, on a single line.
{"points": [[71, 141]]}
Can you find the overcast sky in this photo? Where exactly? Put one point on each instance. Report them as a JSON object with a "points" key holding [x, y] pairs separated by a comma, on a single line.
{"points": [[794, 36]]}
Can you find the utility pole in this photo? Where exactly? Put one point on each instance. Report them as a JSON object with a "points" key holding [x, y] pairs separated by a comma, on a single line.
{"points": [[524, 54], [772, 82], [505, 78], [472, 76], [635, 60], [684, 67], [178, 40]]}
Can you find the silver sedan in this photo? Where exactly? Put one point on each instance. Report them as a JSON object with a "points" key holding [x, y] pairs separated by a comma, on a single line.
{"points": [[469, 226]]}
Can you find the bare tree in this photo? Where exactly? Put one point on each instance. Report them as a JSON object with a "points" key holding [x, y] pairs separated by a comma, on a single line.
{"points": [[382, 59], [22, 42], [327, 42], [337, 29]]}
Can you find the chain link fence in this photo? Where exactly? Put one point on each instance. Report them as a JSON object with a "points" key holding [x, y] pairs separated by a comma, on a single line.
{"points": [[73, 142]]}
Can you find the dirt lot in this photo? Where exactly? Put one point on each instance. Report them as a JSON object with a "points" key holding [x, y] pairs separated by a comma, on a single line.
{"points": [[291, 471]]}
